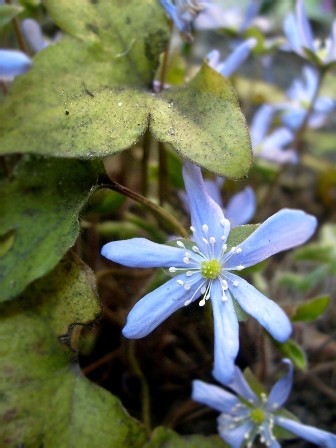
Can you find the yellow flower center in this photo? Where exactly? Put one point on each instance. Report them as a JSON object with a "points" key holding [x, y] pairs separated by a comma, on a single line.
{"points": [[257, 416], [211, 269]]}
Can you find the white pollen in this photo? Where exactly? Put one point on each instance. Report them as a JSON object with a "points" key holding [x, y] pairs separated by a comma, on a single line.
{"points": [[205, 228], [233, 249], [202, 302], [187, 302], [224, 222], [223, 237], [172, 269], [187, 286], [179, 243], [212, 240], [239, 250], [192, 228], [240, 267], [187, 254], [196, 249], [235, 282], [205, 241], [225, 285], [189, 273], [224, 247], [180, 282], [224, 298], [186, 260]]}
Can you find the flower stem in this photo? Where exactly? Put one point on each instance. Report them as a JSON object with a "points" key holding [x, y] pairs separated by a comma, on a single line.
{"points": [[18, 33], [163, 174], [172, 222]]}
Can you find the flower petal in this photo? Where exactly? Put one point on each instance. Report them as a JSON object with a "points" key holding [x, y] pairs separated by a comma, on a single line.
{"points": [[213, 396], [292, 33], [33, 34], [241, 207], [226, 334], [284, 230], [157, 306], [260, 124], [13, 63], [204, 210], [314, 435], [213, 188], [236, 58], [241, 387], [304, 28], [280, 391], [264, 310], [142, 253], [267, 435], [234, 437]]}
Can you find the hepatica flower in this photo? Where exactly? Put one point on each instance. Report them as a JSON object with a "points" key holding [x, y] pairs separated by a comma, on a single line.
{"points": [[246, 415], [301, 39], [204, 267], [13, 63], [183, 12]]}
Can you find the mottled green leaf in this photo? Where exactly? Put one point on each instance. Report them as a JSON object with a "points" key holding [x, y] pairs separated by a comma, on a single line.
{"points": [[40, 204], [240, 233], [45, 400], [7, 13], [294, 352], [311, 309], [166, 438], [91, 94]]}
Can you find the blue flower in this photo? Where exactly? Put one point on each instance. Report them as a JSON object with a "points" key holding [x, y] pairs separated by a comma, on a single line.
{"points": [[300, 94], [235, 19], [301, 39], [234, 61], [245, 415], [270, 146], [33, 34], [13, 63], [204, 267], [183, 12]]}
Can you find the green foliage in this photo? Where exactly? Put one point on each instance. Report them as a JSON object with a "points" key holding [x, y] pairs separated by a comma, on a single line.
{"points": [[88, 96], [40, 206], [166, 438], [311, 309], [240, 233], [7, 13], [290, 349], [45, 399]]}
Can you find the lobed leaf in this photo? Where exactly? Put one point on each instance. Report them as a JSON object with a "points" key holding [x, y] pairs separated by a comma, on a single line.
{"points": [[40, 205], [46, 401]]}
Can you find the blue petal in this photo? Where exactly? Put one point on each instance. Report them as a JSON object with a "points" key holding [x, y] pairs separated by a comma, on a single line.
{"points": [[242, 388], [204, 210], [157, 306], [281, 390], [284, 230], [33, 34], [251, 12], [226, 334], [237, 57], [213, 396], [331, 56], [264, 310], [241, 207], [292, 34], [267, 434], [142, 253], [305, 31], [260, 124], [235, 437], [213, 188], [13, 63], [314, 435]]}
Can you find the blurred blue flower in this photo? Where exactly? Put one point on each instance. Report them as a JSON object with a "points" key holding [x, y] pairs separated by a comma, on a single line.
{"points": [[235, 19], [301, 39], [203, 267], [246, 416], [235, 59], [13, 63], [33, 35], [271, 146], [183, 12], [301, 93]]}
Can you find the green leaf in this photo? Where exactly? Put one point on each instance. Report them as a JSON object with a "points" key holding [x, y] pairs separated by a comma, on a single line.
{"points": [[294, 352], [7, 13], [40, 205], [311, 309], [91, 94], [240, 233], [45, 400], [253, 382], [166, 438]]}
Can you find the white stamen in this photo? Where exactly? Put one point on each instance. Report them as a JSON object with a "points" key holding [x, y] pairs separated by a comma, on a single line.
{"points": [[172, 269], [179, 243], [223, 237], [180, 282], [224, 222], [196, 249], [187, 302], [187, 254], [187, 286], [192, 228], [205, 241], [224, 284], [202, 302], [235, 282], [239, 250], [240, 267], [203, 289], [189, 273], [186, 260], [212, 240], [205, 228], [224, 247]]}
